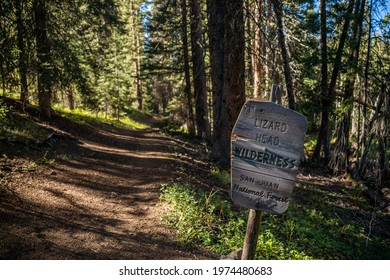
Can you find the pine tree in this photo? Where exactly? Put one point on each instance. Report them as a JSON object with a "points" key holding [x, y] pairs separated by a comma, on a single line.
{"points": [[186, 61], [199, 72], [227, 59], [41, 11], [283, 48]]}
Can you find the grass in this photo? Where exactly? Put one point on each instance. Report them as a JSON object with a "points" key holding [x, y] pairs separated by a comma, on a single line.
{"points": [[132, 119], [313, 228], [19, 127]]}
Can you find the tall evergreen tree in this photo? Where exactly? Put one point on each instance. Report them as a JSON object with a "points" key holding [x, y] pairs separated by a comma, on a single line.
{"points": [[186, 61], [258, 45], [278, 9], [199, 72], [227, 57], [323, 134], [351, 76], [41, 11], [328, 100], [22, 51]]}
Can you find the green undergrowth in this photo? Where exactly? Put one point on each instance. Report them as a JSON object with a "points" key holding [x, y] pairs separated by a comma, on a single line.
{"points": [[131, 119], [19, 127], [222, 176], [315, 229], [170, 127]]}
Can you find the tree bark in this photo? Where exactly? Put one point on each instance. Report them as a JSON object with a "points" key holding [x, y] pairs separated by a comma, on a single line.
{"points": [[381, 131], [257, 47], [43, 59], [327, 100], [235, 60], [138, 73], [71, 98], [283, 49], [216, 11], [137, 56], [199, 72], [373, 118], [340, 51], [227, 46], [366, 74], [385, 133], [326, 103], [187, 88], [351, 75], [22, 53]]}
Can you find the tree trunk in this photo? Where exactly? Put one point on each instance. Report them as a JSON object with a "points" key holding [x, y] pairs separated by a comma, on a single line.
{"points": [[351, 76], [258, 47], [138, 74], [137, 57], [199, 72], [43, 60], [283, 48], [22, 53], [71, 99], [227, 46], [235, 60], [187, 88], [2, 74], [370, 133], [366, 69], [216, 11], [380, 129], [339, 52], [326, 103], [385, 133], [328, 100]]}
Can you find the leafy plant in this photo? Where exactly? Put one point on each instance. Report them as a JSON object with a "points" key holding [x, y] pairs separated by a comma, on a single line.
{"points": [[3, 111], [209, 219], [314, 229], [18, 127], [221, 175]]}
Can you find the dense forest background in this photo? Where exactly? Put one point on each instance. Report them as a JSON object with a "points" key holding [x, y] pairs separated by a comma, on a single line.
{"points": [[196, 62]]}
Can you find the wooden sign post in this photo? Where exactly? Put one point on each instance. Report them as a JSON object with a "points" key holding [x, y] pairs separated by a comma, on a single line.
{"points": [[267, 145]]}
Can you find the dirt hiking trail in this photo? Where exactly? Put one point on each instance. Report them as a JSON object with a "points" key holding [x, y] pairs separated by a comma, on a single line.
{"points": [[94, 194]]}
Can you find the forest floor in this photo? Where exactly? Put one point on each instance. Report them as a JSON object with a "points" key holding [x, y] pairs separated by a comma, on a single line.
{"points": [[93, 192], [89, 193]]}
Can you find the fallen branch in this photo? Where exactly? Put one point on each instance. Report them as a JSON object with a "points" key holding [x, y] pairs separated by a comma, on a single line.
{"points": [[380, 198]]}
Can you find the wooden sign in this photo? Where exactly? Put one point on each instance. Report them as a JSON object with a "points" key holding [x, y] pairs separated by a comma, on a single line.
{"points": [[267, 145]]}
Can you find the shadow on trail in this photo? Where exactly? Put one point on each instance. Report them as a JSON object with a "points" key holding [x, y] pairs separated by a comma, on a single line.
{"points": [[99, 199], [42, 243]]}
